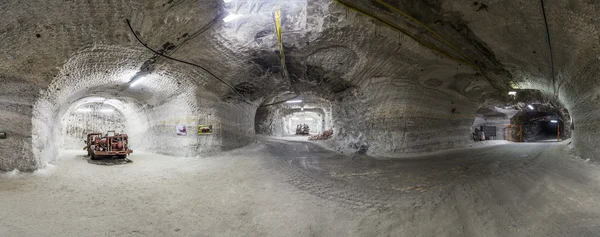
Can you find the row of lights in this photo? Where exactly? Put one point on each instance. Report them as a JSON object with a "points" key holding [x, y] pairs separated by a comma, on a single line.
{"points": [[87, 110], [307, 119], [514, 93], [230, 17], [137, 81], [297, 102]]}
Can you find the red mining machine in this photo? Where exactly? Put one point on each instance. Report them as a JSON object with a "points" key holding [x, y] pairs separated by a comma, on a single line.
{"points": [[108, 145]]}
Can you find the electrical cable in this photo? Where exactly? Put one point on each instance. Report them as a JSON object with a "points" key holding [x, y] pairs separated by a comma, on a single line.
{"points": [[185, 62], [285, 74], [402, 30], [549, 47], [485, 73], [197, 33], [441, 38], [280, 102]]}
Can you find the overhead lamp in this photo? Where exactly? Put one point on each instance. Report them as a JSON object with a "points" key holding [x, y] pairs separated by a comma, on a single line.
{"points": [[83, 110], [231, 17], [295, 118], [308, 119], [554, 121], [512, 93], [107, 110], [293, 101], [530, 107], [140, 79], [95, 99]]}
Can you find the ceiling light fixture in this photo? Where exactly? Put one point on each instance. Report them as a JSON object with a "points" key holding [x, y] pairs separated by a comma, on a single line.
{"points": [[295, 118], [95, 99], [231, 17], [293, 101], [106, 110], [512, 93], [530, 107], [140, 79], [308, 119], [554, 121]]}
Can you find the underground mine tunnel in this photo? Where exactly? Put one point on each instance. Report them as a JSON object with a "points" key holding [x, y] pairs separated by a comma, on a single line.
{"points": [[299, 118]]}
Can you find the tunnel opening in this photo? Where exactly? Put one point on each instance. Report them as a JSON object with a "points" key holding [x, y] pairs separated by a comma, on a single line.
{"points": [[99, 115], [526, 115], [491, 122], [303, 116], [90, 118], [540, 122], [91, 95], [303, 123]]}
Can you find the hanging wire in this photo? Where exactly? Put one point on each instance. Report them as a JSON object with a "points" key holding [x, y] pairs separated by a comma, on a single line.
{"points": [[549, 47], [185, 62]]}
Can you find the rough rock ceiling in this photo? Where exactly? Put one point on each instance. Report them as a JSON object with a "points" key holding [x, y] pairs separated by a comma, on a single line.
{"points": [[507, 38]]}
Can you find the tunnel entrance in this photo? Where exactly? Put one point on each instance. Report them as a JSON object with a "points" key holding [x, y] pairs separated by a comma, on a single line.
{"points": [[303, 123], [550, 130], [304, 116], [124, 96], [540, 122], [90, 118]]}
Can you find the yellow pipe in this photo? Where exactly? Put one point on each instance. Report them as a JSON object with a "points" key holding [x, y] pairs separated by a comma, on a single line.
{"points": [[278, 28]]}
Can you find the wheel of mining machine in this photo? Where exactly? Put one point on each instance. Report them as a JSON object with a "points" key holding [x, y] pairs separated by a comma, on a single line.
{"points": [[122, 156], [93, 156]]}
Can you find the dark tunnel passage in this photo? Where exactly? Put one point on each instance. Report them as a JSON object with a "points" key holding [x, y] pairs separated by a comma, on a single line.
{"points": [[539, 122]]}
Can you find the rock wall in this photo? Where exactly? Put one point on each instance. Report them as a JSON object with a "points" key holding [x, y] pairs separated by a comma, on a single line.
{"points": [[236, 125], [76, 125], [581, 95], [400, 116], [16, 102]]}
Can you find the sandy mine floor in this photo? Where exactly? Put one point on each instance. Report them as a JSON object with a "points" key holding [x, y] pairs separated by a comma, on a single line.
{"points": [[291, 188]]}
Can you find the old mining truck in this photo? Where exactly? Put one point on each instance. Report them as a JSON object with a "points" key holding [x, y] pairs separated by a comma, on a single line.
{"points": [[108, 145]]}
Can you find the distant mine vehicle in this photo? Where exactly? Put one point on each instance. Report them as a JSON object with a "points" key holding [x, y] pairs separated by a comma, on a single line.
{"points": [[108, 145]]}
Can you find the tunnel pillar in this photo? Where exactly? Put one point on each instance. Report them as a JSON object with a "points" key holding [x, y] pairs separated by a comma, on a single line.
{"points": [[16, 102]]}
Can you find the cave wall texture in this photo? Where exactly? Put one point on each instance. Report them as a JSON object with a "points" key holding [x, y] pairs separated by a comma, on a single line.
{"points": [[77, 124], [384, 91]]}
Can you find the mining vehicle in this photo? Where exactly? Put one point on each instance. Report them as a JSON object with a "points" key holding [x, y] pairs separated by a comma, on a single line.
{"points": [[108, 145]]}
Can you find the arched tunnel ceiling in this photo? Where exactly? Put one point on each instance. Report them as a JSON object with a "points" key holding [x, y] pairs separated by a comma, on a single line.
{"points": [[330, 50], [324, 41]]}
